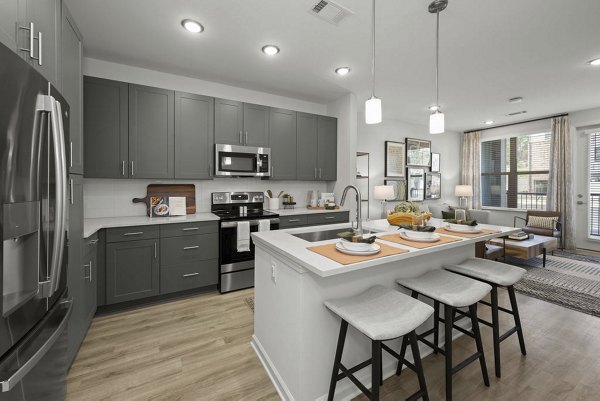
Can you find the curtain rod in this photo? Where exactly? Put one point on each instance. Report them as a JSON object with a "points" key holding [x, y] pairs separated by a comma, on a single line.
{"points": [[518, 122]]}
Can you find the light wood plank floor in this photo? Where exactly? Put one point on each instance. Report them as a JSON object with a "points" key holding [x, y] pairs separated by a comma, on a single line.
{"points": [[198, 349]]}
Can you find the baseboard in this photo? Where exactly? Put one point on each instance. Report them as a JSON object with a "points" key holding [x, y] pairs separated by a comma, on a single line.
{"points": [[276, 379]]}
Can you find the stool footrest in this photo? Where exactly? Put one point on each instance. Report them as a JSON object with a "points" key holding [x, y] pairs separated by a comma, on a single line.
{"points": [[499, 307], [348, 373], [399, 358], [508, 334], [416, 395], [466, 362], [432, 346], [480, 320], [465, 332]]}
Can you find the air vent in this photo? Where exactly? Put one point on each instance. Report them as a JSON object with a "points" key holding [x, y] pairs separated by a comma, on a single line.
{"points": [[330, 11], [516, 113]]}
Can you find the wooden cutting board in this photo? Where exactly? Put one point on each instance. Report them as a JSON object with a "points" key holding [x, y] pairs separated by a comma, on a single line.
{"points": [[186, 190]]}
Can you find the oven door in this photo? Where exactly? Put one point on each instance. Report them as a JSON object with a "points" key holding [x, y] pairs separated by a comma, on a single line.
{"points": [[232, 161]]}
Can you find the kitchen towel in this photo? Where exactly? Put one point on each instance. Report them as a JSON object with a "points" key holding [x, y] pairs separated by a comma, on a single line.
{"points": [[264, 225], [243, 236]]}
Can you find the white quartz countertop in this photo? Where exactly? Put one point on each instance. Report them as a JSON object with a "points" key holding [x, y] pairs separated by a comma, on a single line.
{"points": [[283, 244], [91, 226], [303, 210]]}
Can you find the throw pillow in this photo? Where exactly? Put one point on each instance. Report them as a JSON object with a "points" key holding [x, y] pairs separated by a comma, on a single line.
{"points": [[452, 211], [447, 215], [548, 223]]}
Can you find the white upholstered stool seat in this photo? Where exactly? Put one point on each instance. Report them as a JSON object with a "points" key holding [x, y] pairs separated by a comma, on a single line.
{"points": [[381, 313], [448, 288], [488, 270]]}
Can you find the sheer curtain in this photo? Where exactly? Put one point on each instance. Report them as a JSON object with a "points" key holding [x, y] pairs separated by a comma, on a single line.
{"points": [[471, 166], [560, 182]]}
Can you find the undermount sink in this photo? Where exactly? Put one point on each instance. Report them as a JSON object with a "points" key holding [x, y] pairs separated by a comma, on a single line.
{"points": [[317, 236]]}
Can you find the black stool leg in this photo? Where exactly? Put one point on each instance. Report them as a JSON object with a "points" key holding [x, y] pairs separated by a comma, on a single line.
{"points": [[515, 309], [414, 344], [496, 330], [436, 325], [338, 359], [375, 370], [448, 313], [402, 354], [477, 333]]}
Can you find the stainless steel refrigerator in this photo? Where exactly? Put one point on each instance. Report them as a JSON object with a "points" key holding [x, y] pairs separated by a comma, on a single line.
{"points": [[33, 224]]}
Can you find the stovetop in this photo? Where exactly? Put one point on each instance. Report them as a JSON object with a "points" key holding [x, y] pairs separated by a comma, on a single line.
{"points": [[250, 215], [227, 205]]}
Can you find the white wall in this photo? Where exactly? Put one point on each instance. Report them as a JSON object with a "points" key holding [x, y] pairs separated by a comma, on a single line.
{"points": [[371, 139]]}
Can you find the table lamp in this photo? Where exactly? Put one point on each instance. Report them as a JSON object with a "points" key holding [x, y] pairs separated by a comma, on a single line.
{"points": [[463, 192], [383, 193]]}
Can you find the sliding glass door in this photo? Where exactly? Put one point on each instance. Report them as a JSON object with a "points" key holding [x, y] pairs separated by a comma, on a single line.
{"points": [[587, 200]]}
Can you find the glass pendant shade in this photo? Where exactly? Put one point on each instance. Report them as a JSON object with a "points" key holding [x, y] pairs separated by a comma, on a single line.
{"points": [[373, 110], [436, 123]]}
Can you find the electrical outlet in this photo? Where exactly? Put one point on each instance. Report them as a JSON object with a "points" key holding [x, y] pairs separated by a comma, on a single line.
{"points": [[274, 271]]}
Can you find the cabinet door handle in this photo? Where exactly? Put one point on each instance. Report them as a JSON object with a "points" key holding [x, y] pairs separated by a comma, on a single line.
{"points": [[190, 275], [293, 220], [30, 28], [39, 57], [329, 217], [188, 248], [135, 233], [190, 229], [241, 137], [123, 168], [132, 168], [315, 172], [320, 175], [90, 276], [155, 251], [71, 153], [93, 242], [71, 191], [89, 266], [246, 138]]}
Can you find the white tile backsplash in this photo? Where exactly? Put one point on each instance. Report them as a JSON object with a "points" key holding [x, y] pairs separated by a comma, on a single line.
{"points": [[113, 198]]}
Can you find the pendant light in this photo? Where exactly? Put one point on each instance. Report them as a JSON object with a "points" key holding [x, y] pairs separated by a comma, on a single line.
{"points": [[373, 105], [436, 119]]}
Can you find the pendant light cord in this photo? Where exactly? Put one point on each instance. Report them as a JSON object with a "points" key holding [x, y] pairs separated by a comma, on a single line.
{"points": [[437, 61], [373, 55]]}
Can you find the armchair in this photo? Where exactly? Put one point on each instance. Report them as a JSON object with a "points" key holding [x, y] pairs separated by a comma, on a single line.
{"points": [[547, 232]]}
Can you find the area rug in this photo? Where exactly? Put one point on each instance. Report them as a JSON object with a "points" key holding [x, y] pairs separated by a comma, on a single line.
{"points": [[569, 280], [250, 302]]}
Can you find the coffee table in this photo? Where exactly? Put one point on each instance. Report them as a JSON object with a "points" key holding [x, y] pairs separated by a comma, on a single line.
{"points": [[529, 248]]}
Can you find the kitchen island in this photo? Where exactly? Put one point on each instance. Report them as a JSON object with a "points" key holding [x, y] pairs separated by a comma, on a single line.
{"points": [[295, 335]]}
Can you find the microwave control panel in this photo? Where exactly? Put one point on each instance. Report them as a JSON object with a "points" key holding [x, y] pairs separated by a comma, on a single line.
{"points": [[263, 164]]}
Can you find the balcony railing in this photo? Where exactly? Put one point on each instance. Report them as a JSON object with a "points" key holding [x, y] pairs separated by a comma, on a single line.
{"points": [[531, 200], [594, 214]]}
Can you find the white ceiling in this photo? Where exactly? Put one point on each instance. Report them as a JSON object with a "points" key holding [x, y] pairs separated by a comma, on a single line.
{"points": [[490, 51]]}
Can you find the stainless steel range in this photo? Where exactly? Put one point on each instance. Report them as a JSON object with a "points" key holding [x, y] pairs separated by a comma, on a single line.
{"points": [[237, 261]]}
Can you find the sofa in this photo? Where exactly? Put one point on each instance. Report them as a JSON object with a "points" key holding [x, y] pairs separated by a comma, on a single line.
{"points": [[482, 216]]}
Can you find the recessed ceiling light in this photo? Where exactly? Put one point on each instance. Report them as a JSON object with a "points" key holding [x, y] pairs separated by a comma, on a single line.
{"points": [[192, 26], [270, 50], [518, 99], [594, 62], [433, 108], [489, 122], [342, 70]]}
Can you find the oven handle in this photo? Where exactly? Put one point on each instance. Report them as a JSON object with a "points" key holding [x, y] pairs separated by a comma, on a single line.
{"points": [[232, 224]]}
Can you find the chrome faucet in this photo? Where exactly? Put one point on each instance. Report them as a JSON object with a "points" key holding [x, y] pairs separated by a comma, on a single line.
{"points": [[358, 228]]}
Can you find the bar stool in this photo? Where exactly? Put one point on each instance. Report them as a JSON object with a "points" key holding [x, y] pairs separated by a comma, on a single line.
{"points": [[380, 314], [453, 291], [497, 275]]}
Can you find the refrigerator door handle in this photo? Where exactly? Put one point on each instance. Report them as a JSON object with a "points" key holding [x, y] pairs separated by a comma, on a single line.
{"points": [[10, 382], [60, 219]]}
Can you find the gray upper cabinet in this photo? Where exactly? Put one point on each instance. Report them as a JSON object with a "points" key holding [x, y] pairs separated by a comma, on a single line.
{"points": [[105, 117], [282, 141], [256, 125], [132, 270], [10, 13], [229, 122], [151, 132], [46, 18], [327, 148], [194, 127], [72, 88], [307, 141]]}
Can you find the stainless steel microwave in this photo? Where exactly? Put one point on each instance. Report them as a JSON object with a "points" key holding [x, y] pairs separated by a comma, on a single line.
{"points": [[242, 161]]}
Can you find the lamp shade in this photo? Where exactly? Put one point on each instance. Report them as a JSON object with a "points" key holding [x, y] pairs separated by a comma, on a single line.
{"points": [[436, 123], [373, 110], [463, 190], [383, 192]]}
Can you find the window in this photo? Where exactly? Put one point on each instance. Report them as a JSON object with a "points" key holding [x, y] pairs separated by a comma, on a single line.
{"points": [[514, 171]]}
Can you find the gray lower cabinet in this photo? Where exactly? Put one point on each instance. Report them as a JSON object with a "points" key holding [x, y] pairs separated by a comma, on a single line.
{"points": [[75, 331], [282, 141], [229, 122], [327, 148], [256, 125], [194, 127], [313, 219], [132, 270], [306, 143], [72, 88], [89, 277], [105, 126], [151, 132]]}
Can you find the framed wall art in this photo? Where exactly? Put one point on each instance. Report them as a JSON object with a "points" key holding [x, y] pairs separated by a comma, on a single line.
{"points": [[418, 152], [395, 161], [399, 189], [415, 184], [433, 185], [435, 162]]}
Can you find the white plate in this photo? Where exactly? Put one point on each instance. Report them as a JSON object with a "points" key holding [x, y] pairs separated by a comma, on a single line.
{"points": [[433, 238], [356, 246], [374, 249], [461, 228]]}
